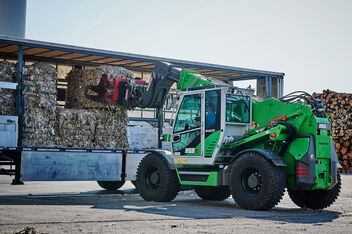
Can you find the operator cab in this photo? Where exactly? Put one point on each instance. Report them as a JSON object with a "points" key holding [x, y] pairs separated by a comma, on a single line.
{"points": [[204, 117]]}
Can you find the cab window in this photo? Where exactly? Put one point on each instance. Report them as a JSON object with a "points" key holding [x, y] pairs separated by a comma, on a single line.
{"points": [[237, 108], [189, 115]]}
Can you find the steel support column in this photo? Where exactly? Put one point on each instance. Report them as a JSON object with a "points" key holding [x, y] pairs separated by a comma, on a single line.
{"points": [[281, 86], [270, 87], [19, 113], [159, 116]]}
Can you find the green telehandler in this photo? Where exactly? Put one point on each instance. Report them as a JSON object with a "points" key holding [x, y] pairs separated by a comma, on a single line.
{"points": [[226, 142]]}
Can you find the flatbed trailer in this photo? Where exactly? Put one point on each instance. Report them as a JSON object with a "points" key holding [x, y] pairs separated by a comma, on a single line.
{"points": [[28, 163], [71, 164]]}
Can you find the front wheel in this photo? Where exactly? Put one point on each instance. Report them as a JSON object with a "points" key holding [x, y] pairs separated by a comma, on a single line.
{"points": [[111, 185], [256, 183], [316, 199], [155, 181], [212, 193]]}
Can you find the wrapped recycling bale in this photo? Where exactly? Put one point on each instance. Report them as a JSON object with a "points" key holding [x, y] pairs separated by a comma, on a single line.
{"points": [[95, 128], [76, 128], [7, 71], [7, 96], [111, 129], [79, 79], [39, 124]]}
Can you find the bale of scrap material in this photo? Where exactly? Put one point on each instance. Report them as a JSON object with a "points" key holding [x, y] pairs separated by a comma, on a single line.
{"points": [[111, 129], [39, 125], [7, 96], [95, 128], [79, 79], [7, 71], [76, 128]]}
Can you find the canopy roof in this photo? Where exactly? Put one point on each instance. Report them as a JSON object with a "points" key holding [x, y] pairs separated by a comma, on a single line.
{"points": [[68, 54]]}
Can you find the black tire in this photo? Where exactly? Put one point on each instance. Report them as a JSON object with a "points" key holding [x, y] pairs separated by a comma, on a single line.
{"points": [[256, 183], [155, 181], [212, 193], [316, 199], [111, 185]]}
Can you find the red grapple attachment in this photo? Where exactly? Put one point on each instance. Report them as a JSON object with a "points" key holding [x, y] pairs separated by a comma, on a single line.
{"points": [[133, 93], [114, 90]]}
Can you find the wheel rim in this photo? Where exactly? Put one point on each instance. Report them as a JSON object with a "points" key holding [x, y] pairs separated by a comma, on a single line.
{"points": [[152, 178], [251, 181]]}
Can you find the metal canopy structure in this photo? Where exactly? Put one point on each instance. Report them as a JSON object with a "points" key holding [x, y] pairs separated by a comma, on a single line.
{"points": [[30, 50], [68, 54]]}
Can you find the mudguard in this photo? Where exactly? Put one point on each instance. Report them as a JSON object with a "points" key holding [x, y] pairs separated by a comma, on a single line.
{"points": [[166, 155], [275, 158], [334, 163]]}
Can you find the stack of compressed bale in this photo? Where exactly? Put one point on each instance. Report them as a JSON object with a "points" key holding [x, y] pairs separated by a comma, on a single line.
{"points": [[107, 123], [39, 124], [7, 96], [93, 128]]}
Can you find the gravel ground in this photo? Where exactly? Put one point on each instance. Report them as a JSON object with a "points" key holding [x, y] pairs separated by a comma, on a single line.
{"points": [[82, 207]]}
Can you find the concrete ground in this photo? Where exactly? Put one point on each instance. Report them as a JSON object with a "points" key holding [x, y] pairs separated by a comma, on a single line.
{"points": [[83, 207]]}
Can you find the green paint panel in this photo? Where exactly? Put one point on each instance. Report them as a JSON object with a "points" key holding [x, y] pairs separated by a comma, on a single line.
{"points": [[322, 169], [299, 147], [189, 80], [211, 181], [210, 143]]}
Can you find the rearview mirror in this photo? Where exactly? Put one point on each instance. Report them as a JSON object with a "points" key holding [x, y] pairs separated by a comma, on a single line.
{"points": [[170, 101]]}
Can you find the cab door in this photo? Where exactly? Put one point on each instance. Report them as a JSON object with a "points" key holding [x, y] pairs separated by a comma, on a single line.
{"points": [[187, 131]]}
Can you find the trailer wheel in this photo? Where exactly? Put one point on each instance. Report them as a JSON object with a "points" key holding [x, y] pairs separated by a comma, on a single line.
{"points": [[212, 193], [111, 185], [255, 183], [155, 181], [316, 199]]}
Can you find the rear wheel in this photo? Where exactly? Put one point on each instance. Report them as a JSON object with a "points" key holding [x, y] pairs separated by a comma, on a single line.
{"points": [[256, 183], [155, 181], [111, 185], [316, 199], [212, 193]]}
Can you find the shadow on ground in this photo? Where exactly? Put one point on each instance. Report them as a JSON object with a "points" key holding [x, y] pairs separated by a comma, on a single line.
{"points": [[186, 205]]}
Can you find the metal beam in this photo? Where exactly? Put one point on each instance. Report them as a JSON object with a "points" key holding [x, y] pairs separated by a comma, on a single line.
{"points": [[20, 113]]}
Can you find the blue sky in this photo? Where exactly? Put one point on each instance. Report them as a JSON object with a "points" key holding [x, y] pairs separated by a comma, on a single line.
{"points": [[310, 41]]}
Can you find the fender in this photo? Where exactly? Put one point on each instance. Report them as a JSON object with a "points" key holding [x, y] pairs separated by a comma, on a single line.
{"points": [[275, 158], [166, 155], [334, 163]]}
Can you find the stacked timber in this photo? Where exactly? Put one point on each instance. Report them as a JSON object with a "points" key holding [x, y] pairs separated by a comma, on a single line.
{"points": [[39, 120], [7, 96], [338, 106]]}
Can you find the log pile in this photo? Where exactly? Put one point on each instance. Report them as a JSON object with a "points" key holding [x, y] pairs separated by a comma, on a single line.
{"points": [[338, 106]]}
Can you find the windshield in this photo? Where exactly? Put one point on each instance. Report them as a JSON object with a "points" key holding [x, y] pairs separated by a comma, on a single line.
{"points": [[188, 116], [237, 108]]}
